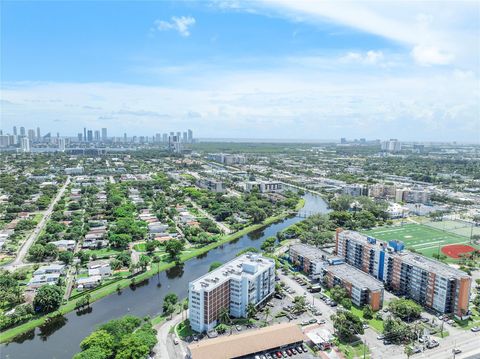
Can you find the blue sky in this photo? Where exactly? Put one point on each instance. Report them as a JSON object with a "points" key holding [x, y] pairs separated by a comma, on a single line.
{"points": [[244, 69]]}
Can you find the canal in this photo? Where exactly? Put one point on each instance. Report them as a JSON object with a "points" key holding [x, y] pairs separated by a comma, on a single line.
{"points": [[61, 338]]}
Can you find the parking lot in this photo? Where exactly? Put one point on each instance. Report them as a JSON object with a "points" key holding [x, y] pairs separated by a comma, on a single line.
{"points": [[296, 351]]}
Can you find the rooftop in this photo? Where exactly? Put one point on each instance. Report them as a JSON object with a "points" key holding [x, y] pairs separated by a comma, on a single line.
{"points": [[246, 265], [311, 252], [355, 276], [249, 342]]}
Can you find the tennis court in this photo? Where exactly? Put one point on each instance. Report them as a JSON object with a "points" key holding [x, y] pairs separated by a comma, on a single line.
{"points": [[456, 227], [423, 239]]}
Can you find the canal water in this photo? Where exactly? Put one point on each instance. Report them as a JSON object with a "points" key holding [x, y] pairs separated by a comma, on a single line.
{"points": [[61, 337]]}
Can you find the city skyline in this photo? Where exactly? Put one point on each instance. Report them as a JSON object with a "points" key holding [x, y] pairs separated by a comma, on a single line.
{"points": [[312, 71]]}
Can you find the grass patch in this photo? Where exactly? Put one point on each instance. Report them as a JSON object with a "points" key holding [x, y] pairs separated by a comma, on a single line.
{"points": [[353, 350], [374, 323], [184, 330], [158, 319], [104, 252], [140, 247]]}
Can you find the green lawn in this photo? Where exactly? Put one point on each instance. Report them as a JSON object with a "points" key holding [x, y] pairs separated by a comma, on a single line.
{"points": [[104, 252], [375, 324], [351, 351], [183, 330], [421, 238]]}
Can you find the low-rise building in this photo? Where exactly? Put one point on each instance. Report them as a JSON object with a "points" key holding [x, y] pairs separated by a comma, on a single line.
{"points": [[211, 185], [42, 279], [248, 279], [88, 282], [52, 268], [99, 268], [64, 244]]}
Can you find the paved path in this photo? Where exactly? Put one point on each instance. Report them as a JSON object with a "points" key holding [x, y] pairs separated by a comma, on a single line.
{"points": [[165, 347], [18, 262]]}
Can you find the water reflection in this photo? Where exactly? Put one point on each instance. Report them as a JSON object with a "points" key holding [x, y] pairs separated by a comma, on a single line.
{"points": [[51, 326], [175, 272], [23, 337]]}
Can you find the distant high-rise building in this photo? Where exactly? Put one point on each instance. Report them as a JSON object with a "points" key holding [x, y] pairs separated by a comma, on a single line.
{"points": [[343, 140], [104, 134], [22, 131], [61, 144], [89, 135], [31, 135], [85, 134], [190, 136], [165, 138], [185, 137], [80, 137], [14, 130], [97, 135], [179, 136], [393, 145], [125, 137], [158, 137], [38, 134], [25, 144], [4, 140]]}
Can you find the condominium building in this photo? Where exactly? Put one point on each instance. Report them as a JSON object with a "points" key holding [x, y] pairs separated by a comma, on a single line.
{"points": [[361, 288], [428, 282], [409, 195], [211, 185], [310, 259], [380, 190], [247, 279], [264, 186]]}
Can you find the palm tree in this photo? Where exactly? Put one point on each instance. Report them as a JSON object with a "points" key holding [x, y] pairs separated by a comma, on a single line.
{"points": [[267, 313], [224, 316], [251, 310]]}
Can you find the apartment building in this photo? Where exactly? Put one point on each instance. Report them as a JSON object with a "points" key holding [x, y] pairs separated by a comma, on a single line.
{"points": [[264, 186], [381, 190], [361, 288], [211, 185], [310, 259], [428, 282], [409, 195], [247, 279]]}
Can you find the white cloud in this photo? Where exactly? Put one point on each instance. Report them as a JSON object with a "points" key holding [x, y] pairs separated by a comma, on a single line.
{"points": [[435, 32], [425, 55], [368, 58], [180, 24]]}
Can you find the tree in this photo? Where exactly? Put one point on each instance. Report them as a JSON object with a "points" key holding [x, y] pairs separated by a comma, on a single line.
{"points": [[120, 240], [143, 262], [299, 304], [338, 293], [224, 316], [66, 257], [151, 245], [405, 309], [251, 310], [174, 247], [268, 311], [346, 325], [92, 353], [48, 298], [346, 303], [169, 303], [214, 266], [36, 252], [408, 351], [269, 244], [221, 328], [101, 339], [397, 331], [367, 312]]}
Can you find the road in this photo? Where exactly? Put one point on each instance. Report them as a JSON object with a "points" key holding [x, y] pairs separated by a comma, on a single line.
{"points": [[222, 226], [18, 262], [165, 347]]}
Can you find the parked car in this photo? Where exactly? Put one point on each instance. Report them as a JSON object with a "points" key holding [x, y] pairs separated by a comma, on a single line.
{"points": [[279, 355], [300, 349], [294, 351], [238, 327], [304, 348], [289, 352], [417, 350], [322, 321], [304, 322], [425, 320], [456, 351], [175, 341], [313, 321], [381, 337], [365, 326], [475, 329]]}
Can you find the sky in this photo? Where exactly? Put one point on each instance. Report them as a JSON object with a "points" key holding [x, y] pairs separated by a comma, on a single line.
{"points": [[272, 69]]}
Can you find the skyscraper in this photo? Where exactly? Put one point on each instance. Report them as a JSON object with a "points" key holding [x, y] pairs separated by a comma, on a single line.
{"points": [[61, 144], [179, 136], [190, 136], [185, 137], [89, 136], [22, 131], [80, 137], [38, 134], [165, 138], [31, 134], [25, 144], [97, 135], [14, 130], [125, 137], [85, 134], [104, 134]]}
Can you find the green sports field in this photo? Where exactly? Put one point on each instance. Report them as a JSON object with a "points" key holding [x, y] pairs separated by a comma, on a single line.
{"points": [[423, 239]]}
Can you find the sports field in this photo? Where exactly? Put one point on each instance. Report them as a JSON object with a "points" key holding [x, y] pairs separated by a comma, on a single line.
{"points": [[423, 239]]}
